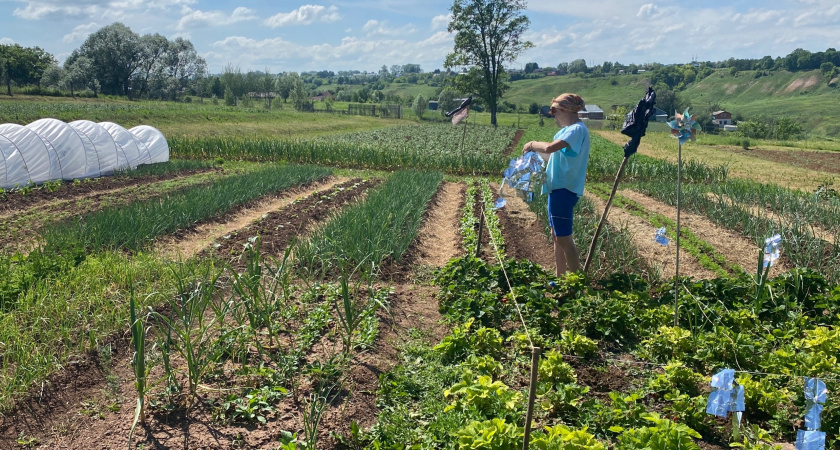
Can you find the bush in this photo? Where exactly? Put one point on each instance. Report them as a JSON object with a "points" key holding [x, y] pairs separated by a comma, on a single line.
{"points": [[745, 144]]}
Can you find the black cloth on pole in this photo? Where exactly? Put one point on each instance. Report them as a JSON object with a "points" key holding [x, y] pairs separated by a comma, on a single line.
{"points": [[464, 104], [636, 122]]}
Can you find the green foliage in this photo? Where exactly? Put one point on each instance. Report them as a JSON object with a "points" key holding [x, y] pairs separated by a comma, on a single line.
{"points": [[577, 344], [480, 393], [381, 226], [554, 370], [252, 407], [492, 434], [677, 377], [562, 437], [662, 435]]}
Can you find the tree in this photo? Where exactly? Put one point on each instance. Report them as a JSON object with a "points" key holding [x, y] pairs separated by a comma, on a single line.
{"points": [[577, 66], [488, 34], [80, 74], [299, 97], [284, 85], [117, 56], [531, 67], [419, 106], [23, 65]]}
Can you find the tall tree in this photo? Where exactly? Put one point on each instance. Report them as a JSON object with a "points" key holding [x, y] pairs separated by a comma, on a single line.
{"points": [[488, 34], [117, 55], [23, 65]]}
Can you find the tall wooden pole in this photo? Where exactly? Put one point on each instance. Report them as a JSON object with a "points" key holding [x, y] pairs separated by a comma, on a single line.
{"points": [[591, 254], [677, 266]]}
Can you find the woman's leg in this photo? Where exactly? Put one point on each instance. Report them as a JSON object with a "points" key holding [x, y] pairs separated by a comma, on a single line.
{"points": [[565, 255]]}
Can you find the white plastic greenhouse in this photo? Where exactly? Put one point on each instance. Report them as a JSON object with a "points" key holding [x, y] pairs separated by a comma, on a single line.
{"points": [[49, 149]]}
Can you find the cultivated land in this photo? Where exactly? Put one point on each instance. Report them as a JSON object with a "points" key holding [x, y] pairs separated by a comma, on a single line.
{"points": [[320, 287]]}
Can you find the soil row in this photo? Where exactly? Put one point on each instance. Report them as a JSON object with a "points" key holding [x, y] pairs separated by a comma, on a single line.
{"points": [[14, 201]]}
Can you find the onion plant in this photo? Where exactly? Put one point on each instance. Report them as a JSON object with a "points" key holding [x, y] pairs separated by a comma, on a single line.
{"points": [[138, 363], [382, 226], [190, 324], [135, 226]]}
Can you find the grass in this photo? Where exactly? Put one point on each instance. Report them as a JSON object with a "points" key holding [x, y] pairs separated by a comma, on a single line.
{"points": [[662, 146]]}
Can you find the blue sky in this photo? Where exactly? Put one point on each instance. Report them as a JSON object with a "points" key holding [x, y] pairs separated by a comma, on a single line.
{"points": [[366, 34]]}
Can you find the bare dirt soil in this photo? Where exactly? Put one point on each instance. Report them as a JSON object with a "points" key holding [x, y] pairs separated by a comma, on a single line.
{"points": [[806, 159]]}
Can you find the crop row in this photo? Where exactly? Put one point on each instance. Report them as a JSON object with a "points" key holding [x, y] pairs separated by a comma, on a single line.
{"points": [[615, 372], [707, 256], [428, 147], [381, 226], [135, 226], [799, 245]]}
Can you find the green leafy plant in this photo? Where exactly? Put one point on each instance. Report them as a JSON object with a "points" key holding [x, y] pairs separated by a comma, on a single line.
{"points": [[190, 325], [139, 365], [577, 344], [677, 376], [562, 437], [554, 370], [492, 434], [253, 406], [481, 393], [662, 435]]}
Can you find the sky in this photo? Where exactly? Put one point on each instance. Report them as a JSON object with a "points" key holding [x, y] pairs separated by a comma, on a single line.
{"points": [[283, 35]]}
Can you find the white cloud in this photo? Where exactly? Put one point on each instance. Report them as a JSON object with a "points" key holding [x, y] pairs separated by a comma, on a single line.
{"points": [[304, 15], [81, 32], [377, 28], [441, 21], [6, 41], [754, 17], [214, 18], [350, 53], [648, 10]]}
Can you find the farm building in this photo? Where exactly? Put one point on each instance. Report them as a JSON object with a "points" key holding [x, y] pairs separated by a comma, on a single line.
{"points": [[721, 118], [660, 115], [592, 112]]}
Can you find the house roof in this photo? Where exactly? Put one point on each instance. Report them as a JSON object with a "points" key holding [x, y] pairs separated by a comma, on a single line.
{"points": [[592, 108], [717, 113]]}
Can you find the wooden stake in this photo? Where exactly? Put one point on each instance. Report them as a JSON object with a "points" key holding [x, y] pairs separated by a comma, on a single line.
{"points": [[532, 393], [591, 254]]}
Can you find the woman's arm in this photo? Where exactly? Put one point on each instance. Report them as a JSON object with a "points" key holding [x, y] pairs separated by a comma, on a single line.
{"points": [[544, 149]]}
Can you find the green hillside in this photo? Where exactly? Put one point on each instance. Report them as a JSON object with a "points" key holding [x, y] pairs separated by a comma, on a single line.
{"points": [[808, 98], [604, 92]]}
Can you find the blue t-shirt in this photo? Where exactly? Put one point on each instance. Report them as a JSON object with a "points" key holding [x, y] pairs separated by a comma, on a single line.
{"points": [[567, 168]]}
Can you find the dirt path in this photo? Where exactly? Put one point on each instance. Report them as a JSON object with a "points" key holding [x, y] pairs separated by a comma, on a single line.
{"points": [[439, 240], [733, 246], [525, 237], [657, 256], [187, 245]]}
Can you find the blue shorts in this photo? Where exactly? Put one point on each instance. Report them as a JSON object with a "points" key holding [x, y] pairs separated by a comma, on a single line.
{"points": [[561, 205]]}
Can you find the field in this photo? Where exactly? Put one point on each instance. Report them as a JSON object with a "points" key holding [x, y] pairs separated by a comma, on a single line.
{"points": [[346, 283]]}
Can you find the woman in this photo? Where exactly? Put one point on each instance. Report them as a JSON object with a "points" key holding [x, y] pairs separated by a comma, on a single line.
{"points": [[567, 158]]}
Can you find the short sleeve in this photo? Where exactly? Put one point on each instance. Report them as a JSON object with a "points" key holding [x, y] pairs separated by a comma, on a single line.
{"points": [[574, 137]]}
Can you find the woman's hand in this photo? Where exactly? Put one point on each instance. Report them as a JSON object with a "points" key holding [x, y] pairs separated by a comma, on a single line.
{"points": [[528, 147]]}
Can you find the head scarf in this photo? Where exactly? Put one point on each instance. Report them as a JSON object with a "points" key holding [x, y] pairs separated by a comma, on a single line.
{"points": [[568, 102]]}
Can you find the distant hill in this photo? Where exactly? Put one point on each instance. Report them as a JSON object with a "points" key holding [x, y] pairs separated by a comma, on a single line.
{"points": [[808, 98]]}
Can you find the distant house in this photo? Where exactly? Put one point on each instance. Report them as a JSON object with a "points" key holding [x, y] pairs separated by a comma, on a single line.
{"points": [[551, 74], [722, 118], [321, 97], [659, 115], [592, 112], [433, 105]]}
